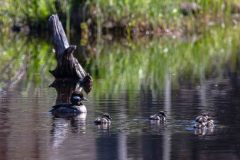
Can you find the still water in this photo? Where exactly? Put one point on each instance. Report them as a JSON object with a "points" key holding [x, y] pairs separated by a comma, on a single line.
{"points": [[160, 77], [28, 131]]}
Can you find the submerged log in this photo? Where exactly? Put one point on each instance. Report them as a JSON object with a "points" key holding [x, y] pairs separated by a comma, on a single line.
{"points": [[68, 66]]}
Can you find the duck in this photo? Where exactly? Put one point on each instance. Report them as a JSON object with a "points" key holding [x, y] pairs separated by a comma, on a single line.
{"points": [[103, 119], [74, 108], [160, 116], [203, 120]]}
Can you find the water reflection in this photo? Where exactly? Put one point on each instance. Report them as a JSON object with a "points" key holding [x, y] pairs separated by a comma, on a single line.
{"points": [[4, 125], [167, 108], [61, 127], [204, 131], [131, 136], [104, 127]]}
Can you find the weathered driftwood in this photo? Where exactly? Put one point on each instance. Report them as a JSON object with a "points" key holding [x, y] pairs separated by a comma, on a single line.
{"points": [[68, 68]]}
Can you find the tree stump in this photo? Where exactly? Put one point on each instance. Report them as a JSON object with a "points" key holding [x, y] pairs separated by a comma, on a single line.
{"points": [[68, 66]]}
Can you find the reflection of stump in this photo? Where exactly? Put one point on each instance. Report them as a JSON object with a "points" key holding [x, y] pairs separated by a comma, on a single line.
{"points": [[65, 90], [68, 66]]}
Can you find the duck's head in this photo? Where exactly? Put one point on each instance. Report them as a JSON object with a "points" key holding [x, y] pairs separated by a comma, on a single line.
{"points": [[205, 116], [162, 113], [106, 115], [77, 97]]}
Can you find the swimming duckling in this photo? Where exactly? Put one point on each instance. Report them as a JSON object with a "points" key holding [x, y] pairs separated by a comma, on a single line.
{"points": [[203, 121], [76, 107], [160, 116], [104, 119]]}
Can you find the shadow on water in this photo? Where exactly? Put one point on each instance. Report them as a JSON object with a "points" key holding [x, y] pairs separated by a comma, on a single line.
{"points": [[131, 81]]}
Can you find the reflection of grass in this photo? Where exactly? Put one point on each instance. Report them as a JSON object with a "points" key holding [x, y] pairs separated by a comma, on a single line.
{"points": [[131, 66], [138, 65], [18, 53]]}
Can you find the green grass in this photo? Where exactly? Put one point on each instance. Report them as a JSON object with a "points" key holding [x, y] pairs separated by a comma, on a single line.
{"points": [[25, 12], [165, 12]]}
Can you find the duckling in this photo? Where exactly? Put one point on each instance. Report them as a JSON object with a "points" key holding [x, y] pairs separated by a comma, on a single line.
{"points": [[104, 119], [160, 116], [203, 121], [76, 107]]}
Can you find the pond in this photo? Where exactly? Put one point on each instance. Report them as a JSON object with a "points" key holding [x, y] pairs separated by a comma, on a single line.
{"points": [[132, 80]]}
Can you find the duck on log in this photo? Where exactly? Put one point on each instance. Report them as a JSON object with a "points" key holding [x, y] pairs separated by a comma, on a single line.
{"points": [[68, 67]]}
